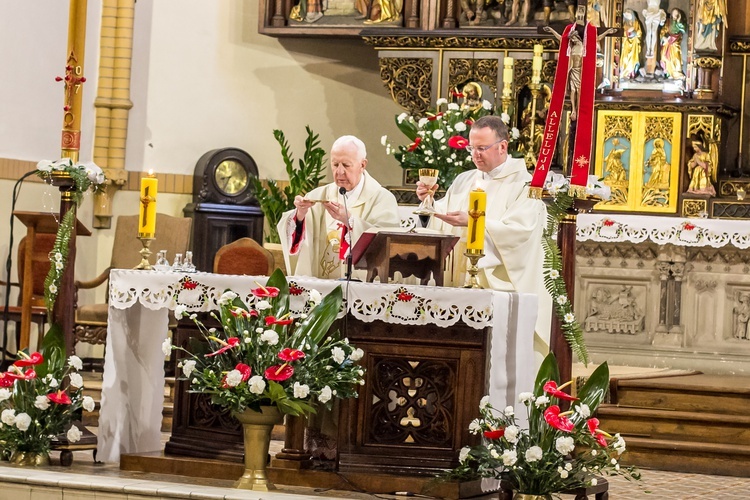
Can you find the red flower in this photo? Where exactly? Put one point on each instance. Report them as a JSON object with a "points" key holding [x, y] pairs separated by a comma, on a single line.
{"points": [[35, 359], [434, 117], [405, 296], [59, 397], [608, 222], [189, 284], [496, 434], [593, 425], [296, 290], [552, 417], [19, 375], [289, 354], [688, 226], [245, 370], [231, 342], [273, 320], [6, 381], [266, 292], [551, 388], [469, 122], [279, 373], [458, 142], [415, 145]]}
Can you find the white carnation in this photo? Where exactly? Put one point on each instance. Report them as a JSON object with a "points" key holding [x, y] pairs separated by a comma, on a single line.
{"points": [[301, 390], [460, 126], [180, 311], [484, 402], [356, 354], [4, 394], [257, 384], [438, 134], [509, 411], [565, 445], [270, 337], [188, 367], [23, 421], [234, 378], [384, 140], [486, 104], [315, 297], [262, 305], [166, 346], [8, 416], [475, 427], [338, 355], [75, 362], [494, 453], [41, 402], [509, 456], [441, 101], [325, 394], [463, 454], [403, 116], [422, 122], [453, 106], [74, 434], [525, 396], [76, 380], [583, 410], [227, 297], [534, 454], [88, 403], [511, 434]]}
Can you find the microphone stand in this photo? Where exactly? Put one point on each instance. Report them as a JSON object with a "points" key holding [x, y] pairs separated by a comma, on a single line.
{"points": [[350, 231]]}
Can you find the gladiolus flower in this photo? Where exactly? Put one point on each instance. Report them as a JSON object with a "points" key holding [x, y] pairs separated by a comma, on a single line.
{"points": [[552, 389], [265, 292], [59, 397], [414, 145], [35, 359], [273, 320], [458, 142], [230, 343], [496, 434], [599, 435], [552, 417], [279, 373], [289, 354]]}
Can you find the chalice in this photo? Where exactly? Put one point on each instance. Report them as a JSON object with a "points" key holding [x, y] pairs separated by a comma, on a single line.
{"points": [[428, 177]]}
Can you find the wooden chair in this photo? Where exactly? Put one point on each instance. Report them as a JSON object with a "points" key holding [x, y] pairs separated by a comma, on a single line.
{"points": [[40, 264], [172, 235], [244, 256]]}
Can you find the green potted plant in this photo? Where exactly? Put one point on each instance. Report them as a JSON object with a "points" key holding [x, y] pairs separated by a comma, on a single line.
{"points": [[274, 199]]}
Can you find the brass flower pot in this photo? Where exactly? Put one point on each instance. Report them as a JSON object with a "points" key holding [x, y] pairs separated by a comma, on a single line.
{"points": [[526, 496], [29, 459], [257, 427]]}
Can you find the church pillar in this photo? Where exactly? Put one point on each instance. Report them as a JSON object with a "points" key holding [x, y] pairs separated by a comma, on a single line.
{"points": [[678, 271], [663, 268]]}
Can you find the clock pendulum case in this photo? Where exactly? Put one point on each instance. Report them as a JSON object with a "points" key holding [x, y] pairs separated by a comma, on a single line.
{"points": [[224, 207]]}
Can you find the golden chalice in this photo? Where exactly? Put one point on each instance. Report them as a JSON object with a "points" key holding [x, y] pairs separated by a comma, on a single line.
{"points": [[428, 177]]}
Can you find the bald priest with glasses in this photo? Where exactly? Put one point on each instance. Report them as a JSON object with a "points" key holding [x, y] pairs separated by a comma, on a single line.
{"points": [[513, 223]]}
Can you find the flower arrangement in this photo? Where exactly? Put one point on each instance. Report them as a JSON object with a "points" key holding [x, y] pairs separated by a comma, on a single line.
{"points": [[559, 450], [85, 176], [263, 356], [439, 139], [36, 403], [558, 187]]}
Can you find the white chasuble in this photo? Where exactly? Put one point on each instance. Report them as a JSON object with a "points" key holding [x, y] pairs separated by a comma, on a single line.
{"points": [[318, 251]]}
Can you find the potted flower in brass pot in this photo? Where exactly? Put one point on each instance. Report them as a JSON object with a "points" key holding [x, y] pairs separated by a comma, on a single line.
{"points": [[263, 363]]}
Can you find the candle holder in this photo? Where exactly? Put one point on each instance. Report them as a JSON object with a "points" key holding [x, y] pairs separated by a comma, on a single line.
{"points": [[472, 269], [146, 239]]}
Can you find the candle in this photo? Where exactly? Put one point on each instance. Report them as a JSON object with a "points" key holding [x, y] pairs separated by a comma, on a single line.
{"points": [[536, 64], [508, 71], [477, 206], [147, 214]]}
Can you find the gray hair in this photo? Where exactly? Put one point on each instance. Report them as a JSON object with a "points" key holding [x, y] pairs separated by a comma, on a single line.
{"points": [[350, 139]]}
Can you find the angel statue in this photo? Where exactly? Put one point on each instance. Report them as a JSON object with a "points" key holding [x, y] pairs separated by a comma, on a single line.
{"points": [[701, 168]]}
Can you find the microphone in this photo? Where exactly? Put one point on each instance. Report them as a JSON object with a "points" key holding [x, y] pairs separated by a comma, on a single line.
{"points": [[348, 274]]}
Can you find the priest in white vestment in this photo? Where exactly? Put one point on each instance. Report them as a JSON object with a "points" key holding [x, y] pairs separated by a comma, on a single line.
{"points": [[318, 234], [513, 250]]}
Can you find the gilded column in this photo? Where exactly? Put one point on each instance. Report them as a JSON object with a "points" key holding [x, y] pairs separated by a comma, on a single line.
{"points": [[113, 102]]}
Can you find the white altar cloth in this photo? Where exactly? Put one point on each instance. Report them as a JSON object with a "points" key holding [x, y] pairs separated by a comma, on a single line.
{"points": [[133, 382], [663, 230]]}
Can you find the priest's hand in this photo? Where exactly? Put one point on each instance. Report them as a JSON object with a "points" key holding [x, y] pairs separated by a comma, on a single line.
{"points": [[423, 191], [337, 211], [302, 206], [459, 219]]}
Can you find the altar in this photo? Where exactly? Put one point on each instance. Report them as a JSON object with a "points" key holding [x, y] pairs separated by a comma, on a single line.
{"points": [[133, 382]]}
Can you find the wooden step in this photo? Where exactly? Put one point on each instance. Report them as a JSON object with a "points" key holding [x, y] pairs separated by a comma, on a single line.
{"points": [[692, 457], [676, 425], [693, 393]]}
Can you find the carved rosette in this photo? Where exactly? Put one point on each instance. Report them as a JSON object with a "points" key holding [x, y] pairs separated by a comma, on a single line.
{"points": [[409, 81]]}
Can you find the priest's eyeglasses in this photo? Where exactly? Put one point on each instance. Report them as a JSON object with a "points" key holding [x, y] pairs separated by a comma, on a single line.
{"points": [[481, 149]]}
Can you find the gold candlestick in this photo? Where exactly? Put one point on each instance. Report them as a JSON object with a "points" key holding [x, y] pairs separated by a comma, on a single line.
{"points": [[472, 269], [146, 239]]}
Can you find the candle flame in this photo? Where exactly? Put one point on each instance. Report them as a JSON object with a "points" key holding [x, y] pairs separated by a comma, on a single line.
{"points": [[151, 172]]}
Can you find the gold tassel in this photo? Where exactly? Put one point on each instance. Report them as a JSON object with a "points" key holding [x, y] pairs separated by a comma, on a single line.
{"points": [[577, 191], [535, 193]]}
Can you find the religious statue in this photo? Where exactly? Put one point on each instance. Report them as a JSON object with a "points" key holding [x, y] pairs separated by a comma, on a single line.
{"points": [[308, 11], [630, 62], [476, 12], [671, 45], [613, 166], [659, 166], [742, 312], [472, 93], [711, 14], [530, 141], [596, 13], [615, 311], [653, 18], [379, 11], [700, 169]]}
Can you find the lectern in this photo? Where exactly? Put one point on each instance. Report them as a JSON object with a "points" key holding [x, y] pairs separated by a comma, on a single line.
{"points": [[412, 254], [36, 223]]}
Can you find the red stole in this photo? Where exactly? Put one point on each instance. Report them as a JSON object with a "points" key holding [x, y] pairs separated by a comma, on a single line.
{"points": [[585, 119]]}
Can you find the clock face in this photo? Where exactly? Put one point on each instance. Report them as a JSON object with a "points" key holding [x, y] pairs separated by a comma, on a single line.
{"points": [[231, 177]]}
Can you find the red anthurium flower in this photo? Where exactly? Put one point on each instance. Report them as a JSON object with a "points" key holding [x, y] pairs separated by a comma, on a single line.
{"points": [[458, 142], [19, 375], [552, 417], [189, 285], [279, 373], [405, 296], [59, 397], [469, 122], [435, 117], [551, 389], [245, 370], [296, 290], [415, 144], [273, 320], [496, 434], [231, 342], [593, 425], [35, 359], [264, 292], [289, 354], [6, 381]]}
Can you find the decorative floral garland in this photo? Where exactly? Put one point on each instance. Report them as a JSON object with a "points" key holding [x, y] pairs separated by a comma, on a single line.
{"points": [[85, 176], [557, 208]]}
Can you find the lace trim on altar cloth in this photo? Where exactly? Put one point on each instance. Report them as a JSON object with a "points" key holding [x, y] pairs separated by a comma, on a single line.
{"points": [[663, 230], [391, 303]]}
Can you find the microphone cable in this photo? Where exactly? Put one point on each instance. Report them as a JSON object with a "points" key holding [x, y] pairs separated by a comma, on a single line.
{"points": [[9, 262]]}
